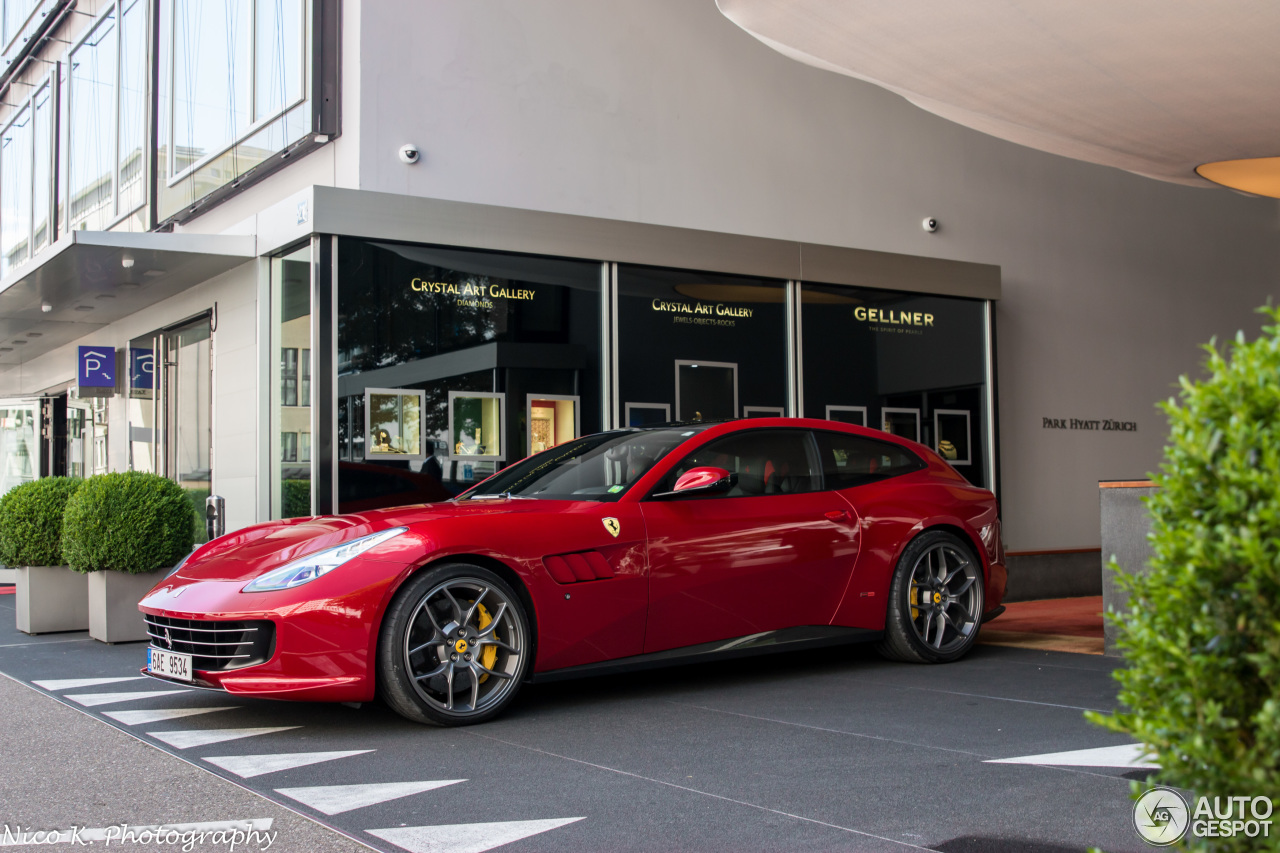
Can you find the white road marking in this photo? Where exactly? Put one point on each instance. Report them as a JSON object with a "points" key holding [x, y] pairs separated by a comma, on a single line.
{"points": [[114, 833], [336, 799], [72, 683], [91, 699], [1127, 755], [204, 737], [466, 837], [137, 718], [248, 766]]}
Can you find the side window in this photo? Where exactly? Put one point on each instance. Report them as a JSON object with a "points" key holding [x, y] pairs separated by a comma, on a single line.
{"points": [[767, 462], [851, 460]]}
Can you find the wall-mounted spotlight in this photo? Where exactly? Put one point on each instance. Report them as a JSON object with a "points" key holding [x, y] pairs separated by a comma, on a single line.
{"points": [[126, 262], [46, 306], [929, 224]]}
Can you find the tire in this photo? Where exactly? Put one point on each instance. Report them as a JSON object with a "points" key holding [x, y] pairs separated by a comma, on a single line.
{"points": [[935, 601], [454, 646]]}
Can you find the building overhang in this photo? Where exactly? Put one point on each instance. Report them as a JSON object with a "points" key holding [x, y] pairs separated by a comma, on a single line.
{"points": [[89, 279]]}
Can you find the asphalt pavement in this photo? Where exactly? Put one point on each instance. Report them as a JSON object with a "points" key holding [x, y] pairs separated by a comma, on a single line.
{"points": [[832, 750]]}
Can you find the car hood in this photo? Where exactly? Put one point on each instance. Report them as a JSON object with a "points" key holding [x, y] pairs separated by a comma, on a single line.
{"points": [[251, 551]]}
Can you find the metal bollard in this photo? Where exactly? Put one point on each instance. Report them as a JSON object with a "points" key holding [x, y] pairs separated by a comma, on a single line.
{"points": [[215, 516]]}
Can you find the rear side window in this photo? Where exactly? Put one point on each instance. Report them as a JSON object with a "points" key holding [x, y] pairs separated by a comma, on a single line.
{"points": [[767, 462], [851, 460]]}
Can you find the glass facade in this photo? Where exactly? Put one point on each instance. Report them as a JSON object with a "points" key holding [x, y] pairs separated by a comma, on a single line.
{"points": [[233, 91], [291, 384], [909, 364], [15, 192], [478, 337], [91, 122], [699, 346]]}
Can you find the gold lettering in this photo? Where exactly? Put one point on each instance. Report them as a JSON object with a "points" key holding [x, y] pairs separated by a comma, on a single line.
{"points": [[928, 319]]}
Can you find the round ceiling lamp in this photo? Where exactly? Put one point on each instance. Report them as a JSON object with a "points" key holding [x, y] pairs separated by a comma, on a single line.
{"points": [[1257, 175]]}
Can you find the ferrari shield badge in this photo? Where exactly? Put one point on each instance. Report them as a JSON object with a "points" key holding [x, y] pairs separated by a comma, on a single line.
{"points": [[612, 525]]}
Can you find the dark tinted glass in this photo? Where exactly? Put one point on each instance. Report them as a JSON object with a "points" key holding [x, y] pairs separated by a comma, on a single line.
{"points": [[599, 467], [767, 462], [851, 460]]}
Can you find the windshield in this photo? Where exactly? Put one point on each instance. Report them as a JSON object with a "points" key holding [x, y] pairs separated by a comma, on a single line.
{"points": [[599, 467]]}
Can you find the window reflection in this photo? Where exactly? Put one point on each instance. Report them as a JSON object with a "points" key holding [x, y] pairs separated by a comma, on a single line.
{"points": [[42, 166], [211, 76], [92, 114], [15, 192], [131, 176], [16, 13]]}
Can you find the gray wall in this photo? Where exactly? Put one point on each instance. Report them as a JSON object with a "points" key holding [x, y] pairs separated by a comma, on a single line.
{"points": [[665, 112]]}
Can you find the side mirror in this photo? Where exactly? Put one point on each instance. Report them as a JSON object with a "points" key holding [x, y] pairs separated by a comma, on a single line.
{"points": [[701, 481]]}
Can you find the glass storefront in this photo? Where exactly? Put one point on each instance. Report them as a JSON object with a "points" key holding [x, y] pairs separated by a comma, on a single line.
{"points": [[909, 364], [290, 431], [696, 346], [455, 363]]}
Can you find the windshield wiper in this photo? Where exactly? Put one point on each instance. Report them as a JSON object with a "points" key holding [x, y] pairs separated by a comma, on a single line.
{"points": [[506, 495]]}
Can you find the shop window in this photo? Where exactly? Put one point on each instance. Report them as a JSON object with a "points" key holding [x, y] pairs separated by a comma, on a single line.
{"points": [[851, 460], [910, 364], [766, 462], [552, 421], [504, 350], [699, 344], [291, 391], [393, 424]]}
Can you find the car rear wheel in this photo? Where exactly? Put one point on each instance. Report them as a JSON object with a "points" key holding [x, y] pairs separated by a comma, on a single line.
{"points": [[454, 646], [935, 601]]}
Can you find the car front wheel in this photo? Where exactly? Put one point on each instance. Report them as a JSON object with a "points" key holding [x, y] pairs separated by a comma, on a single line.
{"points": [[935, 601], [454, 646]]}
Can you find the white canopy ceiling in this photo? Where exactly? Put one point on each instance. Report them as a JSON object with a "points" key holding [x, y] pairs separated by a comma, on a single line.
{"points": [[1155, 87]]}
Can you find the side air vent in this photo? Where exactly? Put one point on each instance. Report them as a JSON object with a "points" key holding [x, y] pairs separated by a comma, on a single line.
{"points": [[576, 568]]}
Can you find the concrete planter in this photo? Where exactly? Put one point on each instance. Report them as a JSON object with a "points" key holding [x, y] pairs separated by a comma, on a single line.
{"points": [[51, 598], [1125, 525], [113, 605], [8, 575]]}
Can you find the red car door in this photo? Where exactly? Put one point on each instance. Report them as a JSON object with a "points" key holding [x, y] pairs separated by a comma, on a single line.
{"points": [[774, 552]]}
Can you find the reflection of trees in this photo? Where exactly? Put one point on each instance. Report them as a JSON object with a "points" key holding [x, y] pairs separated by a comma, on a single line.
{"points": [[384, 321]]}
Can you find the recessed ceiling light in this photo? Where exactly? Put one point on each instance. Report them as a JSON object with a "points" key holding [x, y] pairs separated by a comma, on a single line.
{"points": [[153, 273], [1259, 175], [128, 285], [84, 307], [34, 334], [19, 343], [106, 296], [6, 349]]}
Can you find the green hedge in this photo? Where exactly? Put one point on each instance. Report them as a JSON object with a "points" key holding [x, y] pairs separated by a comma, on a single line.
{"points": [[31, 521], [295, 498], [1202, 632], [128, 522]]}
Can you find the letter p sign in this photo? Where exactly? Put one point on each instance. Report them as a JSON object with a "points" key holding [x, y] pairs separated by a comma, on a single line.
{"points": [[96, 368]]}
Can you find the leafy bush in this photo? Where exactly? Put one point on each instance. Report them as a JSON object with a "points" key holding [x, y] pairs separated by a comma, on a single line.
{"points": [[1202, 632], [295, 498], [31, 521], [128, 522]]}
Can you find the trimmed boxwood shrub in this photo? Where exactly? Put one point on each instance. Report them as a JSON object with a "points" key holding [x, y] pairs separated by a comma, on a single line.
{"points": [[295, 498], [1202, 632], [127, 522], [31, 521]]}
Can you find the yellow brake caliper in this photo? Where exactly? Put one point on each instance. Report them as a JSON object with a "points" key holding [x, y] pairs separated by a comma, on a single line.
{"points": [[915, 591], [490, 654]]}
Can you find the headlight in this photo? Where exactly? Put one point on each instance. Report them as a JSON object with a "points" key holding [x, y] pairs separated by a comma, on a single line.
{"points": [[308, 568]]}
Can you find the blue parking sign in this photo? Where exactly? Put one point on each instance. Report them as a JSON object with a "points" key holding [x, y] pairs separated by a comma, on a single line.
{"points": [[97, 367]]}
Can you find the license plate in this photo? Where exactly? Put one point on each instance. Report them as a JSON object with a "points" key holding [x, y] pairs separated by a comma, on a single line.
{"points": [[169, 664]]}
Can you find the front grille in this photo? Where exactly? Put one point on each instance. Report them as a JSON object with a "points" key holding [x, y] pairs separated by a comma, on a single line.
{"points": [[214, 645]]}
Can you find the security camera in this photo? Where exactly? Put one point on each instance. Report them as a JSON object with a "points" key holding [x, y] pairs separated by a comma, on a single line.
{"points": [[929, 224], [409, 154]]}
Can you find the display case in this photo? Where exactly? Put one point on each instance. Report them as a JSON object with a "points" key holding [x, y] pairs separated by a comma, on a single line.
{"points": [[646, 414], [951, 436], [904, 423], [393, 425], [856, 415], [476, 426], [553, 419]]}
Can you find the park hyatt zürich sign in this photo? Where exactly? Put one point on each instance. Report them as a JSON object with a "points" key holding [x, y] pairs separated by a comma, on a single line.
{"points": [[1104, 425]]}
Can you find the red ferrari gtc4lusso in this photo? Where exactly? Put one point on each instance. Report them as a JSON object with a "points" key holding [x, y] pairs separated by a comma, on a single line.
{"points": [[628, 548]]}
